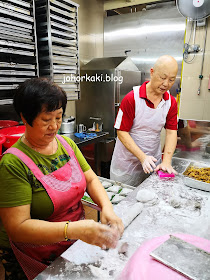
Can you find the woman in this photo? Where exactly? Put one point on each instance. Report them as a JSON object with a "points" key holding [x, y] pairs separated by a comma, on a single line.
{"points": [[43, 178]]}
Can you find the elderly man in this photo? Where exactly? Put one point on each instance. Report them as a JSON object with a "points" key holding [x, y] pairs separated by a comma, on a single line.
{"points": [[143, 113]]}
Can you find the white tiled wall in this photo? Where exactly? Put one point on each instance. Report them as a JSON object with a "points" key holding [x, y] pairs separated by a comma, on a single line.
{"points": [[192, 105]]}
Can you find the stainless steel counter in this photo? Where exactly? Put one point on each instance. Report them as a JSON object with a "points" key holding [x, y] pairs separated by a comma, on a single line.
{"points": [[83, 142], [191, 217], [200, 156]]}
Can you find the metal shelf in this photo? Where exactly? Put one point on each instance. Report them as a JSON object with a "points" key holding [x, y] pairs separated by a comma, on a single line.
{"points": [[18, 46], [57, 32]]}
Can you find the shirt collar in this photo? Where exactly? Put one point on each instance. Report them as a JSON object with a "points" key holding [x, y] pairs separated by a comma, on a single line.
{"points": [[143, 94]]}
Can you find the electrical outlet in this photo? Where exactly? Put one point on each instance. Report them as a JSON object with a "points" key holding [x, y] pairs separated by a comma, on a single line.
{"points": [[201, 22]]}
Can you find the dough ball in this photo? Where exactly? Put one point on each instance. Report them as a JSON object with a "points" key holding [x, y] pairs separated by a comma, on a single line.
{"points": [[175, 202], [114, 188], [117, 198], [145, 196], [110, 195], [125, 191], [106, 184]]}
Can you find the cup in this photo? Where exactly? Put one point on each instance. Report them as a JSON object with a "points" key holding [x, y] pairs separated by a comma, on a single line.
{"points": [[81, 128]]}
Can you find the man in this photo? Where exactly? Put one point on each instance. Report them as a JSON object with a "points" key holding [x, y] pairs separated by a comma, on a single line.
{"points": [[142, 114]]}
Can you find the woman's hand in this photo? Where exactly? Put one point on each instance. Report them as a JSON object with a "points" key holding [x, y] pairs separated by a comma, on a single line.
{"points": [[109, 217], [94, 233]]}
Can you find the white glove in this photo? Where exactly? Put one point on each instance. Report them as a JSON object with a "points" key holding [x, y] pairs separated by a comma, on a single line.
{"points": [[149, 164]]}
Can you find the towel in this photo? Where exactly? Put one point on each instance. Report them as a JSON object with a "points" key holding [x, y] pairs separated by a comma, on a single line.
{"points": [[85, 135]]}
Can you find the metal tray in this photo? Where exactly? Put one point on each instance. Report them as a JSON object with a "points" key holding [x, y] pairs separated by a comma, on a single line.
{"points": [[15, 23], [62, 20], [64, 34], [59, 41], [8, 32], [63, 27], [62, 12], [60, 4], [16, 65], [17, 15], [184, 257], [21, 29], [208, 148], [63, 51], [21, 3], [16, 39], [6, 87], [16, 73], [14, 8], [16, 44], [12, 80], [14, 51], [87, 200], [193, 183]]}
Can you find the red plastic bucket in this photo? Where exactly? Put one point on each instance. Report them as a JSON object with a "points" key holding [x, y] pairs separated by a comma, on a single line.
{"points": [[7, 123], [2, 140], [12, 134]]}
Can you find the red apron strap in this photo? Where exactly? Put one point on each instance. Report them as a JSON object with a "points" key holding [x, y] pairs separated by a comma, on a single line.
{"points": [[25, 159]]}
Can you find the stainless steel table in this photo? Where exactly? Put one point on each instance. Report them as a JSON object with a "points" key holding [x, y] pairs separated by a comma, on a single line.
{"points": [[192, 217], [83, 142], [95, 140]]}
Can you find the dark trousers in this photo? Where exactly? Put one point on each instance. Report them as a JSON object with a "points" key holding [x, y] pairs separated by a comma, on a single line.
{"points": [[13, 270]]}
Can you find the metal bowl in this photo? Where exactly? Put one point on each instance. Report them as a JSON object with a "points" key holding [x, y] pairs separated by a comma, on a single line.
{"points": [[208, 148]]}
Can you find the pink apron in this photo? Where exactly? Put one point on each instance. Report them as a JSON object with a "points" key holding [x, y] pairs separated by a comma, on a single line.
{"points": [[146, 129], [65, 187]]}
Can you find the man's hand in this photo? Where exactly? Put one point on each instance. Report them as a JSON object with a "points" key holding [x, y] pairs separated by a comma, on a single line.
{"points": [[166, 167], [149, 164]]}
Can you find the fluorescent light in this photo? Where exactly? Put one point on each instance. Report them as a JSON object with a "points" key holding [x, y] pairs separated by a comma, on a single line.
{"points": [[144, 30], [153, 59]]}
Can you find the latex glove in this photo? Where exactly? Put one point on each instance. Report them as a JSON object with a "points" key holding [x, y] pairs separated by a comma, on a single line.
{"points": [[109, 217], [149, 164], [166, 167]]}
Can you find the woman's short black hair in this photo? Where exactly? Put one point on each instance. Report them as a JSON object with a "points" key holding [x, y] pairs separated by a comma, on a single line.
{"points": [[35, 94]]}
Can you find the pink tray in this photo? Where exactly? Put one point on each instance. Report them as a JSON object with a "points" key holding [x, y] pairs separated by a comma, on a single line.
{"points": [[142, 266]]}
